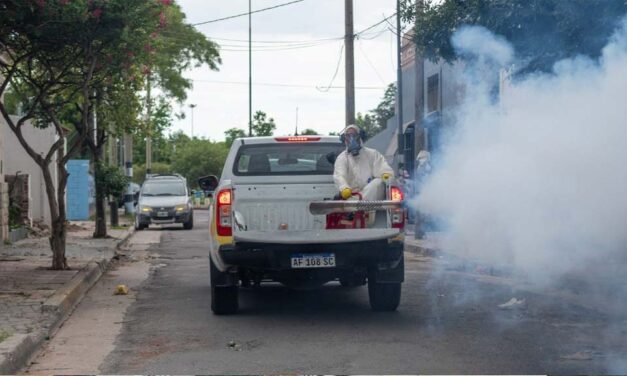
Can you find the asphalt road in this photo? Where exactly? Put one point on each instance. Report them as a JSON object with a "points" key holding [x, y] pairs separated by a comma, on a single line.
{"points": [[448, 322]]}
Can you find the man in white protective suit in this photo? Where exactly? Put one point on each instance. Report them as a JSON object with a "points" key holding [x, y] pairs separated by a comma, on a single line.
{"points": [[360, 169]]}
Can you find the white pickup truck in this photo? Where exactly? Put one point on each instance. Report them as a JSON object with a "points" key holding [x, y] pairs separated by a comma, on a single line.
{"points": [[274, 219]]}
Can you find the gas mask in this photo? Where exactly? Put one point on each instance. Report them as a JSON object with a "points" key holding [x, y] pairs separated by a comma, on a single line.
{"points": [[354, 144]]}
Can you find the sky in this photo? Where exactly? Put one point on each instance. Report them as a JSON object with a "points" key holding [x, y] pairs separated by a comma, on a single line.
{"points": [[221, 98]]}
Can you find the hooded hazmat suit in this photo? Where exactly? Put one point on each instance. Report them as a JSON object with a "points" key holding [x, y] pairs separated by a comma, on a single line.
{"points": [[362, 173]]}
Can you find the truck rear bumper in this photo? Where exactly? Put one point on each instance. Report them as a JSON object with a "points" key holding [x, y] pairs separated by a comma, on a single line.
{"points": [[321, 236], [277, 257]]}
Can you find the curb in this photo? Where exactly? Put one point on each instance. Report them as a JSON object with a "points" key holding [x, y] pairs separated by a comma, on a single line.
{"points": [[415, 247], [17, 350], [62, 301], [126, 237]]}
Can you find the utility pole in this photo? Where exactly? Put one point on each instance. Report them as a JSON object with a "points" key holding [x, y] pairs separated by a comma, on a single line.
{"points": [[250, 70], [192, 106], [148, 128], [349, 38], [129, 208], [399, 89], [421, 143], [296, 132]]}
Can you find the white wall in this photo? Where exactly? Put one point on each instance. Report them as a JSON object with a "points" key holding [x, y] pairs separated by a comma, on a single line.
{"points": [[16, 159]]}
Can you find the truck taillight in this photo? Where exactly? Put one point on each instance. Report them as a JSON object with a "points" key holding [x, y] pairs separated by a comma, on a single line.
{"points": [[223, 216], [397, 215]]}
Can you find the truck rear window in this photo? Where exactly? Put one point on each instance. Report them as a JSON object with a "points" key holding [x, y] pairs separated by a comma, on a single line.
{"points": [[286, 159]]}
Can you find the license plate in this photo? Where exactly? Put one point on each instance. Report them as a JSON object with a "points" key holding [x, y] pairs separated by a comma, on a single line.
{"points": [[162, 214], [313, 260]]}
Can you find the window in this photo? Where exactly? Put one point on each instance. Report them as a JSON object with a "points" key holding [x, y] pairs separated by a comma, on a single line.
{"points": [[286, 159], [433, 93], [164, 188]]}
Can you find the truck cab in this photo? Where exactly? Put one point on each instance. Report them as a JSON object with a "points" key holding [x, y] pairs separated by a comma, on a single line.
{"points": [[262, 228]]}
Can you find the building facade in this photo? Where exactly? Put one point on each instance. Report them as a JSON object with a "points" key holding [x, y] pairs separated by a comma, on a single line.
{"points": [[18, 162]]}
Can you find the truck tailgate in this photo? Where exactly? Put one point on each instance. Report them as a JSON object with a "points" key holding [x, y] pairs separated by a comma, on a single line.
{"points": [[316, 236]]}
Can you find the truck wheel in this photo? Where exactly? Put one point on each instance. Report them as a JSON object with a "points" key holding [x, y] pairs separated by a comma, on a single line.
{"points": [[224, 299], [190, 223], [384, 296]]}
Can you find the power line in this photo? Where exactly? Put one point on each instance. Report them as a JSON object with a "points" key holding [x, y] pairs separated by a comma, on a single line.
{"points": [[278, 41], [375, 25], [277, 84], [247, 13], [337, 69], [370, 63], [358, 35], [264, 47]]}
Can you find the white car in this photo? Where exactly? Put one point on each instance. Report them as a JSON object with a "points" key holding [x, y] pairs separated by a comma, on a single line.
{"points": [[262, 227]]}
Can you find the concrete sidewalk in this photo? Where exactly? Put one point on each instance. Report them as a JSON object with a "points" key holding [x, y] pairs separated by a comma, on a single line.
{"points": [[34, 301]]}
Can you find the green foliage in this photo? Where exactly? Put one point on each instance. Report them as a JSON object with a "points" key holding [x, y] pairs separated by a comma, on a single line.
{"points": [[199, 157], [161, 121], [139, 171], [368, 124], [179, 46], [263, 126], [232, 134], [376, 119], [111, 179], [12, 102], [385, 109], [309, 132], [4, 335], [541, 31], [15, 214]]}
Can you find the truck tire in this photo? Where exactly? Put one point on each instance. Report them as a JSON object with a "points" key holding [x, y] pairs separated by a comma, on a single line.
{"points": [[384, 296], [224, 299]]}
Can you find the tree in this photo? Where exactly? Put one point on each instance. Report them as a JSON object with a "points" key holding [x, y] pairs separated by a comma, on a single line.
{"points": [[233, 133], [386, 108], [262, 126], [309, 132], [161, 122], [376, 119], [199, 157], [166, 59], [63, 58], [541, 31], [368, 124]]}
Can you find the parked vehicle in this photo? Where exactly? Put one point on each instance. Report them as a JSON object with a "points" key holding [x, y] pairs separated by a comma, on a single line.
{"points": [[136, 188], [262, 227], [164, 199]]}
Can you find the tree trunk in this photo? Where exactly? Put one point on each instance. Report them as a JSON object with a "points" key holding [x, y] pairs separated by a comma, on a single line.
{"points": [[57, 243], [101, 219], [56, 202]]}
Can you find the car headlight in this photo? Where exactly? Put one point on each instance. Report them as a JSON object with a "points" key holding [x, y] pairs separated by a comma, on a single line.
{"points": [[145, 209], [180, 208]]}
